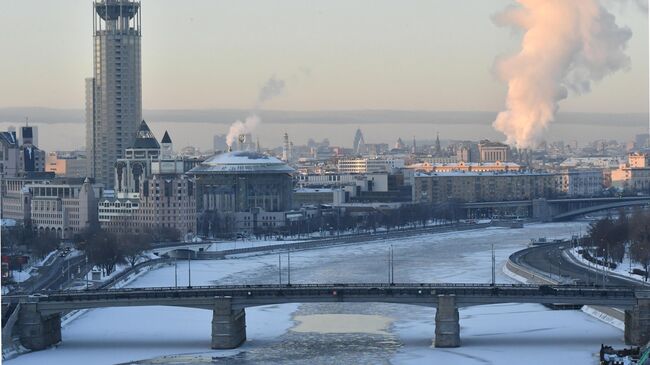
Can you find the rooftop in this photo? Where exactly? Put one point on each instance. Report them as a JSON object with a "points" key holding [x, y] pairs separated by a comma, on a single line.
{"points": [[241, 162], [144, 138]]}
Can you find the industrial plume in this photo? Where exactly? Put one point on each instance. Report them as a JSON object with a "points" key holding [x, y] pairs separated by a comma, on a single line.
{"points": [[566, 46], [272, 88], [242, 128]]}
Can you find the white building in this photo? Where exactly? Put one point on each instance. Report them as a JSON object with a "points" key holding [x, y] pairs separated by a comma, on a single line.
{"points": [[64, 206], [365, 182], [579, 182], [366, 165]]}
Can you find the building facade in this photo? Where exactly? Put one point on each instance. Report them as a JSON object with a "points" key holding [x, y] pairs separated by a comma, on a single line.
{"points": [[633, 175], [481, 187], [497, 166], [16, 197], [165, 200], [368, 165], [493, 151], [240, 182], [113, 94], [8, 154], [64, 206], [65, 166], [151, 189], [136, 164], [579, 182]]}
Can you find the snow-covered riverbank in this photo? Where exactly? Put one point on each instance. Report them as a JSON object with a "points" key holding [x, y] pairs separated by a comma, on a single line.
{"points": [[497, 334]]}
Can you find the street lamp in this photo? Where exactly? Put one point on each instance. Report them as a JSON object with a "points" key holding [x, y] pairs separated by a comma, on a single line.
{"points": [[189, 269]]}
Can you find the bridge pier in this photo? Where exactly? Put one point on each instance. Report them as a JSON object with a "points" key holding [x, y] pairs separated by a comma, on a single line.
{"points": [[637, 324], [37, 331], [228, 324], [447, 322]]}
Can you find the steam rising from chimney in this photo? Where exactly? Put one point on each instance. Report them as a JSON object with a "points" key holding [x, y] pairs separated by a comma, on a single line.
{"points": [[567, 45], [272, 88], [242, 127]]}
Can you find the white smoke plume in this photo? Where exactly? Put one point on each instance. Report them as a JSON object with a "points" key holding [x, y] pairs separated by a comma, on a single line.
{"points": [[272, 88], [247, 126], [567, 45]]}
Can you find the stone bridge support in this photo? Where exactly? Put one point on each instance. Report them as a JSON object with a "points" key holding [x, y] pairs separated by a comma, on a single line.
{"points": [[637, 324], [447, 322], [37, 331], [228, 324]]}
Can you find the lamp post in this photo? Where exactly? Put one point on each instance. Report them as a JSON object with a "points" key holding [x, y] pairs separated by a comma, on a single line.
{"points": [[289, 267]]}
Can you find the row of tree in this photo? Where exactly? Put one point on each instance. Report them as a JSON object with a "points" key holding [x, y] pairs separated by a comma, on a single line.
{"points": [[23, 237], [339, 220], [611, 237], [106, 250]]}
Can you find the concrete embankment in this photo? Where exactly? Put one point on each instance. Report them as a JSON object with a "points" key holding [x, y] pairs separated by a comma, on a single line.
{"points": [[339, 241], [11, 346], [521, 273]]}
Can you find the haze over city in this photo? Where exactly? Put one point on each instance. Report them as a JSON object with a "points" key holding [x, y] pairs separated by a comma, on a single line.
{"points": [[332, 55]]}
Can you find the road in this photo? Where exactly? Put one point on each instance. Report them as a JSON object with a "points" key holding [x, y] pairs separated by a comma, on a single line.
{"points": [[548, 259], [55, 275]]}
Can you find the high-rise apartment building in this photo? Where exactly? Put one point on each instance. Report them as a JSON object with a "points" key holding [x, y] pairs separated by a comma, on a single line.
{"points": [[113, 94]]}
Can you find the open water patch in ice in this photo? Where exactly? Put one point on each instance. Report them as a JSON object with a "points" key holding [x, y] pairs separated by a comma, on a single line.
{"points": [[343, 323]]}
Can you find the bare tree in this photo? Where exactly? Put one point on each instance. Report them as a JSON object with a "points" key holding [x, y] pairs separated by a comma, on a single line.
{"points": [[133, 246]]}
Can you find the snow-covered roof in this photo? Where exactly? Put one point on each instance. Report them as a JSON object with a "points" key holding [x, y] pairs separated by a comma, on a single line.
{"points": [[6, 222], [241, 162], [313, 190]]}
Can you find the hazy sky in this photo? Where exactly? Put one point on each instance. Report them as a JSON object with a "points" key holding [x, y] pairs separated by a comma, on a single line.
{"points": [[333, 54]]}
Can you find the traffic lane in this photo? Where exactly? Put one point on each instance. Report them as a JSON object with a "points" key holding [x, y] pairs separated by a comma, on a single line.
{"points": [[549, 259]]}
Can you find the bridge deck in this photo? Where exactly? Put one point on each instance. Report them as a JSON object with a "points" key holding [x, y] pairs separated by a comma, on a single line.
{"points": [[424, 294]]}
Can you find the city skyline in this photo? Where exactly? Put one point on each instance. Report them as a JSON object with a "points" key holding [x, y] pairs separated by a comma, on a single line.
{"points": [[329, 181]]}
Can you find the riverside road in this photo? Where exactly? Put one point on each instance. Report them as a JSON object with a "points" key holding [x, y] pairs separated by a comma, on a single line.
{"points": [[548, 260]]}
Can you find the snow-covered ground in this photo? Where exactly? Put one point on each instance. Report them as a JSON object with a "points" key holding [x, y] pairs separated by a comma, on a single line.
{"points": [[20, 276], [491, 334], [231, 245], [623, 269]]}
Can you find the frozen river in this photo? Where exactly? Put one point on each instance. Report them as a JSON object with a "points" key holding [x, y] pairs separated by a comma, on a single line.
{"points": [[344, 332]]}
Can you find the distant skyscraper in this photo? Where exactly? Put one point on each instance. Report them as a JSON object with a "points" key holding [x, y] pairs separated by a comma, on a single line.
{"points": [[29, 135], [399, 144], [113, 94], [359, 145], [438, 150], [219, 143]]}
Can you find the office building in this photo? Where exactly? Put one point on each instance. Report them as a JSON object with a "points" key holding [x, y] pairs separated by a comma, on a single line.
{"points": [[113, 94]]}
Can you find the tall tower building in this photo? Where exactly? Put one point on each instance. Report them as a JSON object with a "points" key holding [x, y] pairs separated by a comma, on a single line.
{"points": [[359, 145], [114, 93]]}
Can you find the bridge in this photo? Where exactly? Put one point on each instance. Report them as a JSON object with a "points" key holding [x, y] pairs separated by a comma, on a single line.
{"points": [[553, 209], [39, 325]]}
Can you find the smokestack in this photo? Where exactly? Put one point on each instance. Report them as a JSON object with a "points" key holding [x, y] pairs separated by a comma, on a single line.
{"points": [[567, 45]]}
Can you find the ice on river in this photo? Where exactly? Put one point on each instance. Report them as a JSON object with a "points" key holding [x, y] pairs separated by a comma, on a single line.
{"points": [[497, 334]]}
